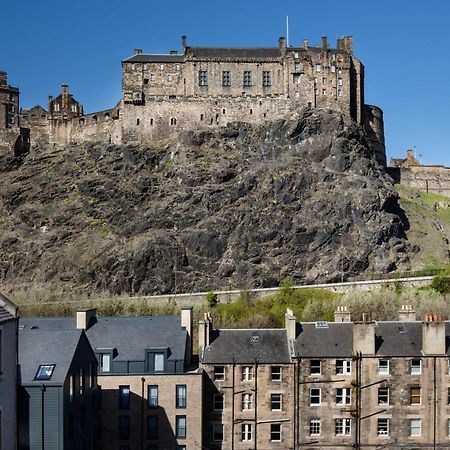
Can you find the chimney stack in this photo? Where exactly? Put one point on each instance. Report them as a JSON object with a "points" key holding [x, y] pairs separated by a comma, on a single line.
{"points": [[290, 324], [433, 335], [204, 332], [186, 323], [342, 314], [406, 314], [364, 336], [86, 318]]}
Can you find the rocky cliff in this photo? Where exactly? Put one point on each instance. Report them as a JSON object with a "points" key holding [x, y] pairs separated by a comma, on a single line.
{"points": [[241, 206]]}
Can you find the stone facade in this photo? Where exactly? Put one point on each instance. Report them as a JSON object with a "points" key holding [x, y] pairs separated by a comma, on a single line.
{"points": [[207, 87], [411, 172]]}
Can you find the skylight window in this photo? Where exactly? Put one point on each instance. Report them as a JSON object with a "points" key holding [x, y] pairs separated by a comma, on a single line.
{"points": [[45, 372]]}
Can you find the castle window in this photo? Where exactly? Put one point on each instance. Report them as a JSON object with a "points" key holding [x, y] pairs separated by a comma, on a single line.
{"points": [[202, 78], [173, 121], [296, 78], [266, 78], [247, 81], [226, 79], [138, 121]]}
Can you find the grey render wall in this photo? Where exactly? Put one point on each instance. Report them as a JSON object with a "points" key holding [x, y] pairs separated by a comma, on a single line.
{"points": [[8, 378]]}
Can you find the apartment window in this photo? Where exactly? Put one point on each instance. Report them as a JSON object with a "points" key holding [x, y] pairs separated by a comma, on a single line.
{"points": [[158, 362], [276, 402], [296, 78], [152, 397], [226, 78], [383, 366], [276, 373], [247, 81], [342, 427], [44, 372], [124, 427], [416, 367], [124, 397], [202, 78], [275, 432], [217, 432], [246, 401], [218, 402], [105, 362], [219, 373], [343, 367], [314, 427], [383, 395], [343, 396], [180, 426], [315, 367], [415, 427], [181, 396], [246, 432], [415, 395], [247, 373], [383, 427], [152, 427], [314, 396], [266, 78]]}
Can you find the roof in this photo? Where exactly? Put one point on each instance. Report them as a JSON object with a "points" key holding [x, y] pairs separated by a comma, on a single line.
{"points": [[131, 336], [38, 347], [150, 58], [246, 346], [334, 341], [234, 53], [8, 310]]}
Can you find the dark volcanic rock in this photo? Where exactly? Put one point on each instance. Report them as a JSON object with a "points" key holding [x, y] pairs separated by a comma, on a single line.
{"points": [[241, 206]]}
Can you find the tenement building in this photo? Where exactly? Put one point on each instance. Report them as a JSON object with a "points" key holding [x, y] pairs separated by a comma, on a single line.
{"points": [[207, 87], [328, 385]]}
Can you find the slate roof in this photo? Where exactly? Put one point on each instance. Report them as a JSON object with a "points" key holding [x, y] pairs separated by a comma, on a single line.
{"points": [[130, 335], [234, 53], [154, 58], [246, 346], [38, 347], [8, 310]]}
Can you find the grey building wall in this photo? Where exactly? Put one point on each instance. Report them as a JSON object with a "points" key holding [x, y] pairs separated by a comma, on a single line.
{"points": [[8, 377]]}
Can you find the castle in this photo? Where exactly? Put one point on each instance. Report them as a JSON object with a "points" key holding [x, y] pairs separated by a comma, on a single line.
{"points": [[205, 87]]}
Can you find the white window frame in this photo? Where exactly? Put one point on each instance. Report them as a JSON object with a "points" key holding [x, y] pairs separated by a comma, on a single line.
{"points": [[414, 368], [278, 400], [383, 367], [383, 426], [315, 396], [343, 396], [343, 367], [246, 373], [246, 432], [388, 396], [314, 427], [280, 432], [415, 427], [217, 400], [342, 427]]}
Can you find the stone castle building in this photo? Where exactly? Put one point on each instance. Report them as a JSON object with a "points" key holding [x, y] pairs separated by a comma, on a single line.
{"points": [[205, 87]]}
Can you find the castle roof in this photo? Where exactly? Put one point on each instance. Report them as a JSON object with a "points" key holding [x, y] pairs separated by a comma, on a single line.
{"points": [[154, 58]]}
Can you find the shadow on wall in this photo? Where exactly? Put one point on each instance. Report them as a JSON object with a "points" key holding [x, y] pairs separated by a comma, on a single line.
{"points": [[135, 423]]}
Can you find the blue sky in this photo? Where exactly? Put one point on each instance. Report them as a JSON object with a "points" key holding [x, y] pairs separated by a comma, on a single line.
{"points": [[404, 45]]}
